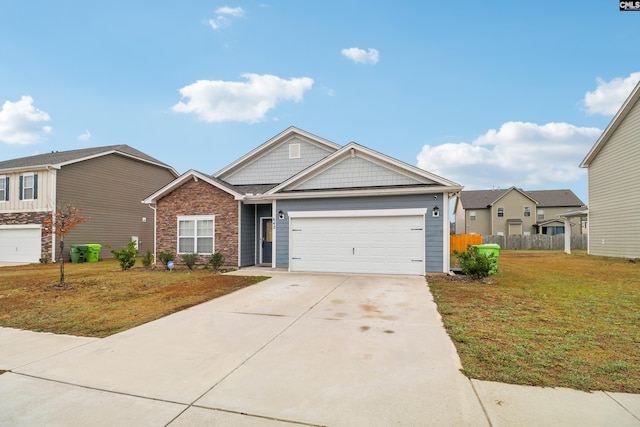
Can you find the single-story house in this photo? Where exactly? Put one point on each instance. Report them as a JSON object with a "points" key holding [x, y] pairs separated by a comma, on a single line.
{"points": [[307, 204]]}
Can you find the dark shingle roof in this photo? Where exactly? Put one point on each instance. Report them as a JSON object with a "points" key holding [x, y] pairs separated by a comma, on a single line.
{"points": [[58, 157], [555, 198], [480, 199]]}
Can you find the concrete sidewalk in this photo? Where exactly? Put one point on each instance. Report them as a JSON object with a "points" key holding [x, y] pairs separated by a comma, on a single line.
{"points": [[333, 350]]}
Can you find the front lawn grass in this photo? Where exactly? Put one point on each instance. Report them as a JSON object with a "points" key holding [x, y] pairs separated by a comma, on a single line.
{"points": [[548, 319], [103, 299]]}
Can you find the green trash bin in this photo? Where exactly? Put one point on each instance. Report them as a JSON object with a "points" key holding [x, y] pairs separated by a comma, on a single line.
{"points": [[78, 253], [490, 249], [93, 252]]}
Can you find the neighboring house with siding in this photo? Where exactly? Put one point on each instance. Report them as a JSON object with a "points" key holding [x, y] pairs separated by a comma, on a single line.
{"points": [[515, 211], [304, 203], [614, 184], [106, 183]]}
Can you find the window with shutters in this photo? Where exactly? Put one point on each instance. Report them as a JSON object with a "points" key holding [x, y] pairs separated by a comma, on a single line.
{"points": [[28, 186], [4, 188]]}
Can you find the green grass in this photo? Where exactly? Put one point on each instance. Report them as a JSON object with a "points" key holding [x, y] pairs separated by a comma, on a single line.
{"points": [[102, 299], [548, 319]]}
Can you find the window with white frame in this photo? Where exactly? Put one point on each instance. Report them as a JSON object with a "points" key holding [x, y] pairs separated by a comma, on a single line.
{"points": [[527, 211], [540, 214], [500, 212], [196, 234], [4, 188], [28, 186], [472, 216]]}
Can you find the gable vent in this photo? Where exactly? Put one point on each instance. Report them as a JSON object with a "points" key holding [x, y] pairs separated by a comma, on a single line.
{"points": [[294, 151]]}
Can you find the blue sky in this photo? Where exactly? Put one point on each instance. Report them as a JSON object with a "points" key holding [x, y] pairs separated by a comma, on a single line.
{"points": [[487, 94]]}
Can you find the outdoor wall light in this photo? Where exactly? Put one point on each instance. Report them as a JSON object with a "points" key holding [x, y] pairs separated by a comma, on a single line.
{"points": [[280, 214], [435, 212]]}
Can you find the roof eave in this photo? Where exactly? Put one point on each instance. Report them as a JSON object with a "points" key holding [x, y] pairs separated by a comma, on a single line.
{"points": [[392, 191], [613, 125], [190, 174]]}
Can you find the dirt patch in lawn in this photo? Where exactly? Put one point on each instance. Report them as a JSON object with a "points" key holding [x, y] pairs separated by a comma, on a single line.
{"points": [[102, 299]]}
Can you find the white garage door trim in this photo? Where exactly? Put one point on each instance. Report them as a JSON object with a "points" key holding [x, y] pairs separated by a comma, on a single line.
{"points": [[383, 241], [20, 243]]}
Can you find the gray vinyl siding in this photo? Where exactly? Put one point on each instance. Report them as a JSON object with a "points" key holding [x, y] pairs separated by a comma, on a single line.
{"points": [[433, 226], [275, 166], [356, 172], [248, 235], [109, 191], [614, 186]]}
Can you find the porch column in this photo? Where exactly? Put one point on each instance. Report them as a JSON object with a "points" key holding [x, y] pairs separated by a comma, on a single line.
{"points": [[567, 236]]}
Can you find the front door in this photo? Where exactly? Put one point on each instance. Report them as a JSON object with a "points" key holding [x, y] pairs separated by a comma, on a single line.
{"points": [[266, 239]]}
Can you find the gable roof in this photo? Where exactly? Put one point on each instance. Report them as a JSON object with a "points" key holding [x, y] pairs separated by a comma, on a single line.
{"points": [[189, 175], [624, 110], [420, 177], [482, 199], [273, 142], [57, 159], [556, 198]]}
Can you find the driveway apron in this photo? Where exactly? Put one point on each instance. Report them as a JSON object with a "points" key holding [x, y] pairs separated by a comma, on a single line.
{"points": [[318, 349]]}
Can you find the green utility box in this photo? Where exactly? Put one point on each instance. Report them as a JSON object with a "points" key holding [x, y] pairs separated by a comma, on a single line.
{"points": [[492, 250], [78, 253], [93, 252]]}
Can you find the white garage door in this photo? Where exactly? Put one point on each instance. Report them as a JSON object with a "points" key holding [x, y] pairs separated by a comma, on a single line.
{"points": [[20, 244], [367, 243]]}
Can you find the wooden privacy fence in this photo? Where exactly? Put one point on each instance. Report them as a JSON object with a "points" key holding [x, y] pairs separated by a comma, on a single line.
{"points": [[459, 242], [537, 242]]}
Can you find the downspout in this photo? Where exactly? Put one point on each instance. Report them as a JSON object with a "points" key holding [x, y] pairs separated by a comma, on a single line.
{"points": [[54, 186], [446, 234], [155, 235]]}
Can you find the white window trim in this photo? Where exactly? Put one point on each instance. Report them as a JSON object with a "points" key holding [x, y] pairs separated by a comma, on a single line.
{"points": [[3, 180], [195, 242], [500, 209], [472, 215], [24, 187]]}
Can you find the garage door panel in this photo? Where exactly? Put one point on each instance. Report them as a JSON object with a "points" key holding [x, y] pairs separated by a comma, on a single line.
{"points": [[385, 244], [20, 244]]}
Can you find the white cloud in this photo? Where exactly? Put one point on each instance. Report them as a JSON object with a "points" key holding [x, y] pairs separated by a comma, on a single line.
{"points": [[84, 137], [222, 18], [526, 155], [361, 56], [22, 123], [609, 96], [222, 101]]}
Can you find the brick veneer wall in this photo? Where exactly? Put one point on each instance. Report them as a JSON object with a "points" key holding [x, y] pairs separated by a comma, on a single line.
{"points": [[199, 198], [23, 218]]}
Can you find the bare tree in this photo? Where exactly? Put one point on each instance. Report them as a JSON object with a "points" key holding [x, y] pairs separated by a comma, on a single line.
{"points": [[61, 224]]}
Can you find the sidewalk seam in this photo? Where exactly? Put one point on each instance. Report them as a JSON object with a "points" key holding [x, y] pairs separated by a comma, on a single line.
{"points": [[486, 414], [621, 405]]}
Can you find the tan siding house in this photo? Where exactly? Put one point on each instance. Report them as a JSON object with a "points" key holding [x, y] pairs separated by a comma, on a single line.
{"points": [[515, 211], [614, 184], [108, 184]]}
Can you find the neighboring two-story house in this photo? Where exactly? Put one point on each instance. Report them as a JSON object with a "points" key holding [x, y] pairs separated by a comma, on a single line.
{"points": [[106, 183], [614, 184], [515, 211], [307, 204]]}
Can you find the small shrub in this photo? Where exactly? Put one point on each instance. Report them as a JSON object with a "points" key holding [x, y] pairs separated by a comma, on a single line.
{"points": [[147, 258], [165, 257], [190, 260], [475, 264], [126, 256], [44, 260], [216, 260]]}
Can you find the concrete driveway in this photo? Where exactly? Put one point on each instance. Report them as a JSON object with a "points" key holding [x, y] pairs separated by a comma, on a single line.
{"points": [[298, 349]]}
